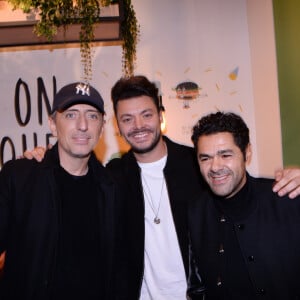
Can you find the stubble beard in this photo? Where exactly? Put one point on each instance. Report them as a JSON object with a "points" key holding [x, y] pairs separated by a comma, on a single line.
{"points": [[146, 149]]}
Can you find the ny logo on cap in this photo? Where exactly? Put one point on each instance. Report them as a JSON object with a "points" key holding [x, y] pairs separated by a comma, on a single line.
{"points": [[83, 88]]}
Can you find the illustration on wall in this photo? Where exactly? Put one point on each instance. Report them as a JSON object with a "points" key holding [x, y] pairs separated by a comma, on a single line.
{"points": [[234, 74], [188, 91]]}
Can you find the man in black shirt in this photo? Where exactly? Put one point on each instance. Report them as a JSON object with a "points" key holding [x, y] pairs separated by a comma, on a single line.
{"points": [[245, 238], [57, 218]]}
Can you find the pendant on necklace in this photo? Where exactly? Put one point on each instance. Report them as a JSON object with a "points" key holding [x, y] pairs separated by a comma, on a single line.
{"points": [[156, 220]]}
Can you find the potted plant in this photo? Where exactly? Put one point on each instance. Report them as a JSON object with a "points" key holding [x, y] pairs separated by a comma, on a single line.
{"points": [[62, 13]]}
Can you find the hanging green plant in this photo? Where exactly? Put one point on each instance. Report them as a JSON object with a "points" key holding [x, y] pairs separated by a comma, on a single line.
{"points": [[62, 13], [130, 33]]}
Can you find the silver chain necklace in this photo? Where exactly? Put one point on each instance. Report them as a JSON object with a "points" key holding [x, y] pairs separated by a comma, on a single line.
{"points": [[148, 197]]}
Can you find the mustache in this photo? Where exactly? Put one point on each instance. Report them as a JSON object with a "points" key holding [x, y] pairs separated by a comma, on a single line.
{"points": [[137, 131], [219, 173]]}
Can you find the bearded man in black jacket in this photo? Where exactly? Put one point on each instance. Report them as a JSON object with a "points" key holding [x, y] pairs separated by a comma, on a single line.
{"points": [[157, 176], [245, 239]]}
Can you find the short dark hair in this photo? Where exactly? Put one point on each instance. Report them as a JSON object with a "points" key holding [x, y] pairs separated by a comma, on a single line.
{"points": [[223, 122], [134, 86]]}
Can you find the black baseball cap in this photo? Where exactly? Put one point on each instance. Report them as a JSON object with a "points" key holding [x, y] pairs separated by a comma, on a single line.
{"points": [[76, 93]]}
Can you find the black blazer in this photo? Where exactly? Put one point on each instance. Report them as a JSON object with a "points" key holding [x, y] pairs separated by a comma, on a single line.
{"points": [[183, 182], [29, 225], [268, 235]]}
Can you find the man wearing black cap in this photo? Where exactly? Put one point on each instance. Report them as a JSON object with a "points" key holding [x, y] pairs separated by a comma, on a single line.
{"points": [[57, 218]]}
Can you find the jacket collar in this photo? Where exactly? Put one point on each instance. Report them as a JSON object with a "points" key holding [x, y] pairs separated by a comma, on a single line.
{"points": [[241, 205]]}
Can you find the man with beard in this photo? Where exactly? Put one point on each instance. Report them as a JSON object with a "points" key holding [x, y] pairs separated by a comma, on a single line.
{"points": [[245, 239], [158, 176]]}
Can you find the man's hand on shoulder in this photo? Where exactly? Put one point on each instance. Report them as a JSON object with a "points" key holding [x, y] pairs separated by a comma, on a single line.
{"points": [[287, 182], [37, 153]]}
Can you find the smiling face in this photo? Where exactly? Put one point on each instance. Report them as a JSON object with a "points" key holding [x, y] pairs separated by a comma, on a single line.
{"points": [[222, 163], [139, 123], [78, 130]]}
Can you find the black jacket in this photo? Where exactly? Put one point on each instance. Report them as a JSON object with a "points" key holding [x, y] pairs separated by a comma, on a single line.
{"points": [[183, 182], [29, 225], [267, 232]]}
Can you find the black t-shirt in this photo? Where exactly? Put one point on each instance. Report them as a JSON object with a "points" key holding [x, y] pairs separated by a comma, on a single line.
{"points": [[78, 264]]}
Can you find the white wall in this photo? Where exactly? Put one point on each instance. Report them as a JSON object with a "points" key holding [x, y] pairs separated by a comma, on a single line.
{"points": [[193, 40]]}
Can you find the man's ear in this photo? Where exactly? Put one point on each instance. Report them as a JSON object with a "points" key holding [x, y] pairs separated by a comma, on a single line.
{"points": [[248, 154], [160, 116], [102, 127], [52, 126]]}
